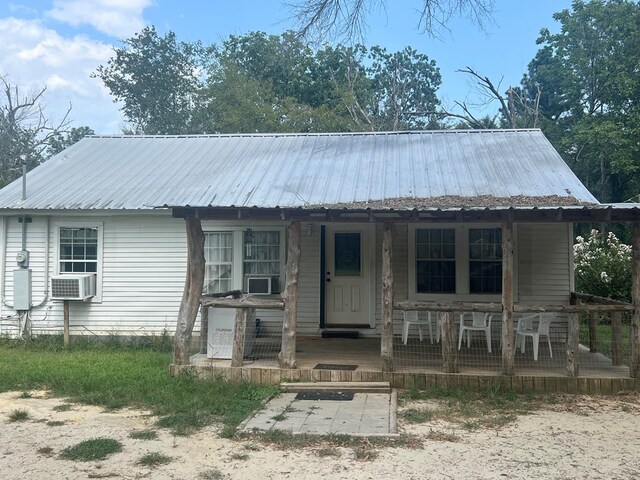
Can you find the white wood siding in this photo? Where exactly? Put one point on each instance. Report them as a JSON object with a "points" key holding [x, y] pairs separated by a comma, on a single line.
{"points": [[144, 264]]}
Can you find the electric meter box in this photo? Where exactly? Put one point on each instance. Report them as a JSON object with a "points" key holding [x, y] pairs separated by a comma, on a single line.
{"points": [[22, 289]]}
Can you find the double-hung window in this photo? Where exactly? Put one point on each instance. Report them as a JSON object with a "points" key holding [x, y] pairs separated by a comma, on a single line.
{"points": [[218, 255], [459, 259], [79, 250], [435, 260], [485, 260], [244, 259]]}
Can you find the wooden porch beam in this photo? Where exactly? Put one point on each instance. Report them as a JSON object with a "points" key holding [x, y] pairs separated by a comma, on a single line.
{"points": [[192, 291], [204, 329], [287, 355], [634, 364], [507, 298], [386, 340]]}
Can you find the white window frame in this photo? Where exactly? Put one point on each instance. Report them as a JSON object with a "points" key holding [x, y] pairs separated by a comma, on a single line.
{"points": [[238, 249], [462, 264], [100, 227]]}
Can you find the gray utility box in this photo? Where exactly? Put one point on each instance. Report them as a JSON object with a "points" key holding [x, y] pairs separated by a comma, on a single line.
{"points": [[221, 327], [22, 289]]}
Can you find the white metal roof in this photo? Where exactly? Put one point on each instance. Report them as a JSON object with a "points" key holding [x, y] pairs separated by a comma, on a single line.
{"points": [[301, 170]]}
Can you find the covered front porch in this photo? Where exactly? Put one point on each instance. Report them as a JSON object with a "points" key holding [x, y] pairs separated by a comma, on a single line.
{"points": [[385, 356]]}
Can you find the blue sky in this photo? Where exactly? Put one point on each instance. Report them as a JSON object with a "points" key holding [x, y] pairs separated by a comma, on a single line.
{"points": [[58, 43]]}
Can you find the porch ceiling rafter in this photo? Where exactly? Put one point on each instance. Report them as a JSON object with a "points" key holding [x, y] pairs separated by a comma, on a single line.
{"points": [[561, 214]]}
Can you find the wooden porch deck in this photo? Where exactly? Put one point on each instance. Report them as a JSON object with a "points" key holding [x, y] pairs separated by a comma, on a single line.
{"points": [[420, 363]]}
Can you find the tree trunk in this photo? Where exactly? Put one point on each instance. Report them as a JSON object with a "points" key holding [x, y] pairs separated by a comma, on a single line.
{"points": [[507, 298], [386, 340], [192, 291], [244, 316], [287, 356]]}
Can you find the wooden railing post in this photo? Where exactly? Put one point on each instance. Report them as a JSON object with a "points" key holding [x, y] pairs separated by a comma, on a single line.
{"points": [[449, 350], [573, 360], [386, 340], [634, 340], [507, 298], [204, 329], [593, 329], [287, 355], [616, 338], [243, 317]]}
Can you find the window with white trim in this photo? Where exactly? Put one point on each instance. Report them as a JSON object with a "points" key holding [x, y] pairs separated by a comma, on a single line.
{"points": [[485, 260], [78, 250], [236, 255], [457, 260], [218, 255], [435, 260]]}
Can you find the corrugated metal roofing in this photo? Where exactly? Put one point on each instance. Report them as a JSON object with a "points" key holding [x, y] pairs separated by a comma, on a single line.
{"points": [[291, 170]]}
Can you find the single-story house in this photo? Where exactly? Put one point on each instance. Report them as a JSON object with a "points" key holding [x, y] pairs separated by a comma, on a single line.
{"points": [[111, 209]]}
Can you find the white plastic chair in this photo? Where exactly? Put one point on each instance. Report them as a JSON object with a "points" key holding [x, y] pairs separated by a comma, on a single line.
{"points": [[410, 317], [526, 328], [480, 322]]}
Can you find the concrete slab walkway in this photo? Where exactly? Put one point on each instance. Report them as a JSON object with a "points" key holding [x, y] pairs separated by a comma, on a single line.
{"points": [[368, 414]]}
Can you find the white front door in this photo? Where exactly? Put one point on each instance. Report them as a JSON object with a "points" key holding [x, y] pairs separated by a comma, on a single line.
{"points": [[348, 275]]}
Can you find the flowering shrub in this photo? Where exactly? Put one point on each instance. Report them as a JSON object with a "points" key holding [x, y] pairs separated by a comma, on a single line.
{"points": [[603, 266]]}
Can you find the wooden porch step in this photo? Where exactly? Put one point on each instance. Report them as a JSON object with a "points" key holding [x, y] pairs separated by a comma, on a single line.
{"points": [[363, 387]]}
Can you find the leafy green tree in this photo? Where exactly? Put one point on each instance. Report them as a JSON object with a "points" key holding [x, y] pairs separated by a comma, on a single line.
{"points": [[59, 142], [158, 79], [588, 78]]}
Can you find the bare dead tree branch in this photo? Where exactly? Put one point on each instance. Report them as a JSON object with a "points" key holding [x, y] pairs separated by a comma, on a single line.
{"points": [[348, 19]]}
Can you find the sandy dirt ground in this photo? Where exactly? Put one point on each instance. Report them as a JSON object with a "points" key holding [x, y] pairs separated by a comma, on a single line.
{"points": [[583, 438]]}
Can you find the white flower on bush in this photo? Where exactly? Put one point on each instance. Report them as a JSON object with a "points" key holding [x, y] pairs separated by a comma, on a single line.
{"points": [[603, 265]]}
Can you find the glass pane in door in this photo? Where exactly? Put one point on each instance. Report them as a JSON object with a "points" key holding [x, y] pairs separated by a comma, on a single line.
{"points": [[347, 254]]}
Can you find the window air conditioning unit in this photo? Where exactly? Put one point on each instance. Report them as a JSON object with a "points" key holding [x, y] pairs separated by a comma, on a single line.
{"points": [[259, 285], [73, 287]]}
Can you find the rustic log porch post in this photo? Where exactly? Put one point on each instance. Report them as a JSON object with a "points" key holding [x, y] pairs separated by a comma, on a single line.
{"points": [[573, 345], [244, 317], [449, 350], [386, 340], [507, 297], [204, 329], [634, 340], [192, 291], [287, 355]]}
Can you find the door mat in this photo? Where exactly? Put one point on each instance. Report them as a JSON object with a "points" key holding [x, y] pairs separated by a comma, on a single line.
{"points": [[342, 334], [334, 366], [324, 395]]}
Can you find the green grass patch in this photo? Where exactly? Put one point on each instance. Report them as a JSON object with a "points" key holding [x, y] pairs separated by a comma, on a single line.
{"points": [[115, 375], [25, 394], [94, 449], [55, 423], [153, 459], [211, 474], [48, 451], [65, 407], [18, 415], [143, 435], [491, 407], [417, 415]]}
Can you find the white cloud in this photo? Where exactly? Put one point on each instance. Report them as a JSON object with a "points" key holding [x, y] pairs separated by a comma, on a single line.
{"points": [[34, 56], [118, 18]]}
